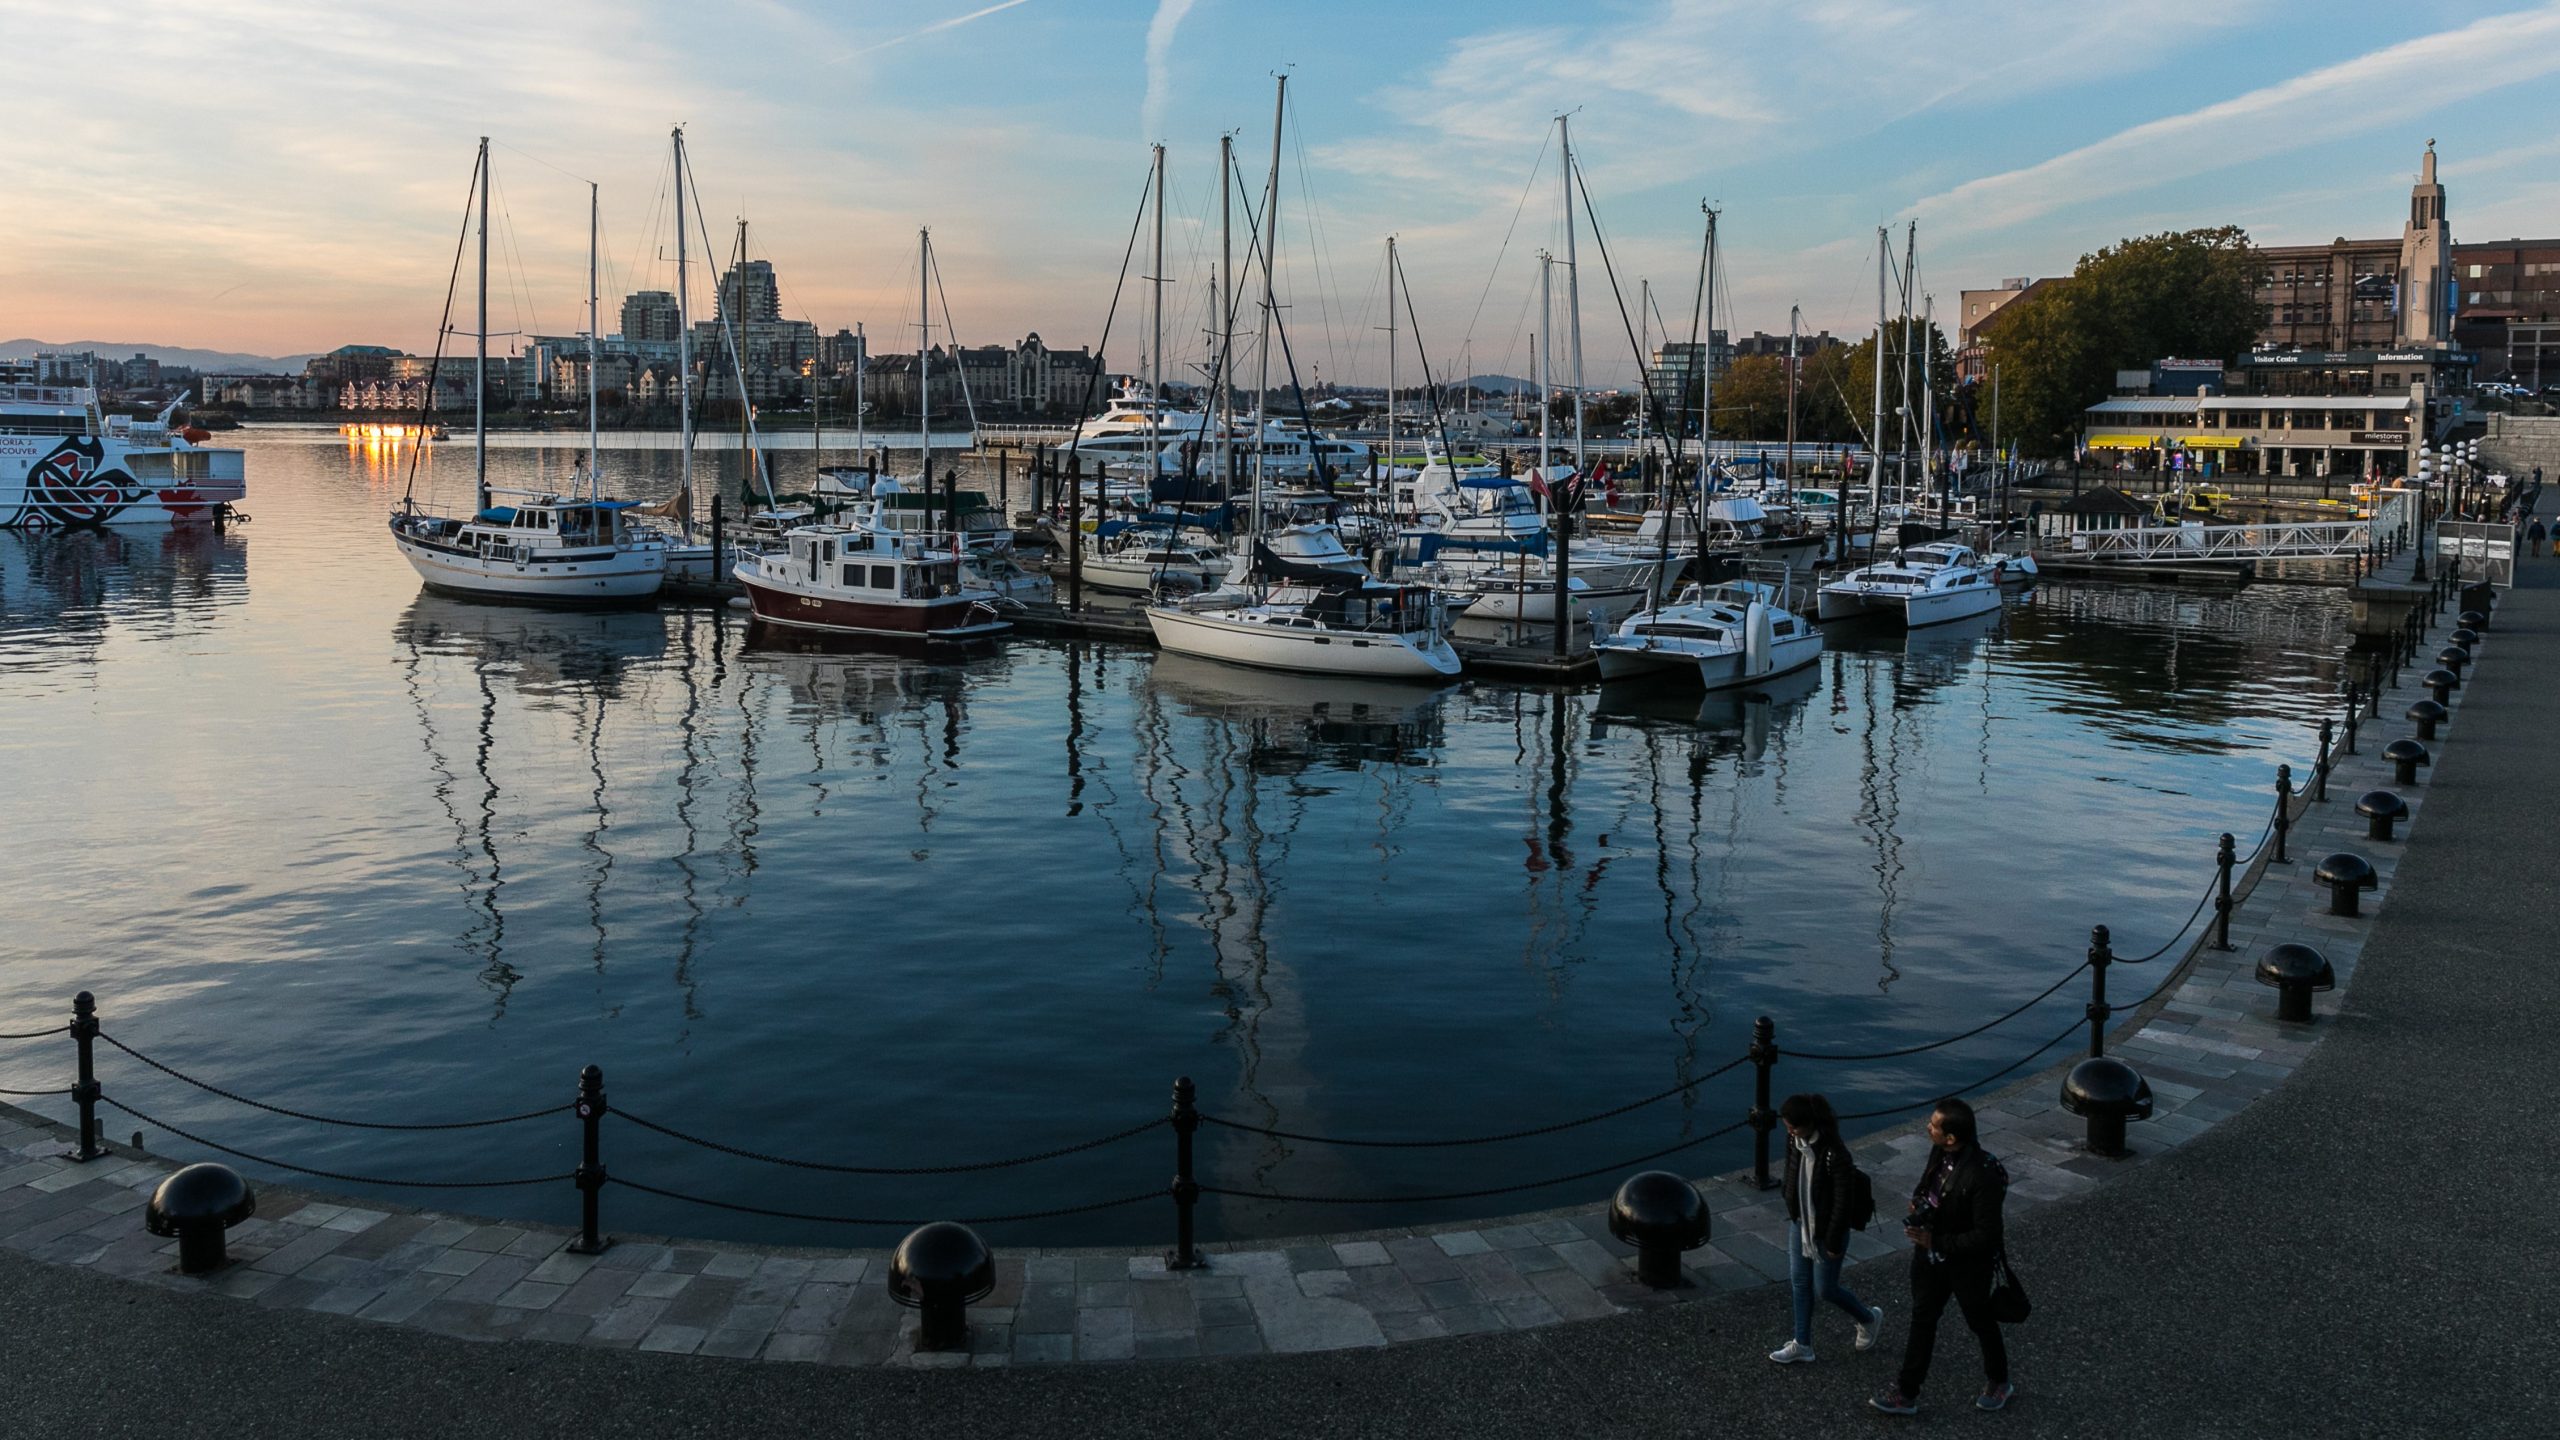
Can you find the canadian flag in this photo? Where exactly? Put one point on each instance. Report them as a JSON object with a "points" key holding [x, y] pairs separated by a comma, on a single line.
{"points": [[1608, 484]]}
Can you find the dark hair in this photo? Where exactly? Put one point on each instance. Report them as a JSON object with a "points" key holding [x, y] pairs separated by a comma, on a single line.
{"points": [[1808, 1112], [1956, 1118]]}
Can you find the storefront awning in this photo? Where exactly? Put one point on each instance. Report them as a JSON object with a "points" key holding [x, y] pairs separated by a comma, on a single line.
{"points": [[2124, 442], [2210, 442]]}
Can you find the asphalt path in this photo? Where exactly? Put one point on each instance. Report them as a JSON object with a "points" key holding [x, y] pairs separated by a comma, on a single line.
{"points": [[2366, 1251]]}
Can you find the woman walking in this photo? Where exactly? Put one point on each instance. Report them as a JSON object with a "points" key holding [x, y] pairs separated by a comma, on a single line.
{"points": [[1822, 1189]]}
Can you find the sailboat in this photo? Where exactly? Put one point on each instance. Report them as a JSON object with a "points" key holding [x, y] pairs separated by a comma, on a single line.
{"points": [[872, 579], [1293, 616], [537, 547]]}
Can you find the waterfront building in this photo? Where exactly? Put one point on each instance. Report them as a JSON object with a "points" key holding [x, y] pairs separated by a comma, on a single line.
{"points": [[2508, 292], [1679, 366], [650, 317], [2360, 437], [1761, 342], [750, 293], [2351, 295], [1974, 309]]}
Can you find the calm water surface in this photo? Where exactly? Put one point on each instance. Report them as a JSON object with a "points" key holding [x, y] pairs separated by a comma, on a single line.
{"points": [[347, 847]]}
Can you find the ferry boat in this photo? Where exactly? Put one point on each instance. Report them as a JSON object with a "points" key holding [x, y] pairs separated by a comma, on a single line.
{"points": [[64, 464], [850, 581]]}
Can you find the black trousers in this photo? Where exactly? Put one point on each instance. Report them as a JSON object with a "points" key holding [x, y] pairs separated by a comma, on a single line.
{"points": [[1932, 1286]]}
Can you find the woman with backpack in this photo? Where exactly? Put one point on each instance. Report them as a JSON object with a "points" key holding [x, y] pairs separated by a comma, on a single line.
{"points": [[1827, 1197]]}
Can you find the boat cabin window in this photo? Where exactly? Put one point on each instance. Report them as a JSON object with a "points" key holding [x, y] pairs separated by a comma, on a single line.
{"points": [[883, 577]]}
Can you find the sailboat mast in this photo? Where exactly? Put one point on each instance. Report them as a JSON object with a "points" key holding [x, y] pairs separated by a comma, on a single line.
{"points": [[1572, 291], [1706, 381], [595, 318], [861, 362], [684, 342], [1155, 325], [1795, 320], [1391, 368], [924, 363], [480, 362], [1270, 300], [1928, 399], [1875, 417], [1644, 363], [1902, 471], [1226, 309], [1545, 340]]}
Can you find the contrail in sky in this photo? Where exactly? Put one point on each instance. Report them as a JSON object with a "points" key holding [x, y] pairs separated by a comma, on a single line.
{"points": [[1160, 30], [938, 26]]}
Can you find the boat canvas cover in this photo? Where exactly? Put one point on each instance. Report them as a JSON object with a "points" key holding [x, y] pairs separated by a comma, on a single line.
{"points": [[1268, 566]]}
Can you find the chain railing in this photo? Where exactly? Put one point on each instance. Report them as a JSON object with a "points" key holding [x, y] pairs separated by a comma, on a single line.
{"points": [[2235, 877]]}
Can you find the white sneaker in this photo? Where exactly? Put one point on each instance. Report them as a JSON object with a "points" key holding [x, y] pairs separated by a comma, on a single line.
{"points": [[1793, 1353], [1875, 1325]]}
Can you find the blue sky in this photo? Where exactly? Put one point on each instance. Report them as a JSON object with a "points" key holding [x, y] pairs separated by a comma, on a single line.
{"points": [[275, 176]]}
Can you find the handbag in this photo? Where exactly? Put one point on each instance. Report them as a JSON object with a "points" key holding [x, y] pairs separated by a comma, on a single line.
{"points": [[2009, 1302]]}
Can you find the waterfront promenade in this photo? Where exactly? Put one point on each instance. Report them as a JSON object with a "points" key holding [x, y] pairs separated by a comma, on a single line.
{"points": [[2348, 1251]]}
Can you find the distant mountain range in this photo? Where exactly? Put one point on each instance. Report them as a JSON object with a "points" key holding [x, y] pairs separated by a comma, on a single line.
{"points": [[205, 360]]}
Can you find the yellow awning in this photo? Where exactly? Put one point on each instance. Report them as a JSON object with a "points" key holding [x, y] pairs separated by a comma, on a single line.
{"points": [[2124, 442], [2210, 442]]}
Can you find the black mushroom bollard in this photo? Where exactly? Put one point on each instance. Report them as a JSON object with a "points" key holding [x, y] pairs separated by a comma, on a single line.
{"points": [[2295, 971], [2106, 1092], [2426, 715], [940, 1270], [2382, 811], [2453, 658], [196, 1205], [2407, 755], [2476, 621], [1662, 1215], [2348, 876], [2442, 683], [2464, 638]]}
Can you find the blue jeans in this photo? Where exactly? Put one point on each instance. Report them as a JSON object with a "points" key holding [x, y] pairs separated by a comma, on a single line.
{"points": [[1818, 1279]]}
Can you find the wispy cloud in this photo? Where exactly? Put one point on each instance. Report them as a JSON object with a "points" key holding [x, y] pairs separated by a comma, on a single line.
{"points": [[1160, 30], [2383, 87], [936, 28]]}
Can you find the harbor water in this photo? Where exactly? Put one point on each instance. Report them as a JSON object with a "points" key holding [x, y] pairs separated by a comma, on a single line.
{"points": [[332, 843]]}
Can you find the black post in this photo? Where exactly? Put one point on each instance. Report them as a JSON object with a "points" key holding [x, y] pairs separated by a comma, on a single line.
{"points": [[2226, 855], [1004, 482], [1186, 1190], [719, 552], [2284, 811], [2320, 776], [590, 1172], [2355, 712], [1075, 532], [2373, 687], [84, 1034], [2099, 959], [1764, 1118]]}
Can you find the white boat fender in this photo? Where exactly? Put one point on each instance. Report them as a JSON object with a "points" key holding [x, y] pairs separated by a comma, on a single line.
{"points": [[741, 602], [1758, 641]]}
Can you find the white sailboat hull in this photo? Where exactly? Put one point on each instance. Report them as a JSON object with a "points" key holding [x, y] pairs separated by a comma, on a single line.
{"points": [[1218, 637], [625, 575]]}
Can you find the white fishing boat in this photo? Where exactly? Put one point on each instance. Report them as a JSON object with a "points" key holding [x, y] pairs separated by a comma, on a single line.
{"points": [[1919, 585], [538, 548], [1734, 633], [64, 463]]}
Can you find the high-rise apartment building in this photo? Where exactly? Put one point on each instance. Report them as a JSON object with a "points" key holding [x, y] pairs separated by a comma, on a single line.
{"points": [[651, 318]]}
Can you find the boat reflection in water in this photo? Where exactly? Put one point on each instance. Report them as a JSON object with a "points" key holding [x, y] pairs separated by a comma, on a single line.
{"points": [[1298, 721], [577, 662], [62, 591]]}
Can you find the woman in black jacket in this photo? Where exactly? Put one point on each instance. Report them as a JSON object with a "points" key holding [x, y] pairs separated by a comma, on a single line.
{"points": [[1821, 1188]]}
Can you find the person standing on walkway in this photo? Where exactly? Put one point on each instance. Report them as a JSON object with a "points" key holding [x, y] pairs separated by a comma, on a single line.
{"points": [[2533, 538], [1823, 1194], [1955, 1233]]}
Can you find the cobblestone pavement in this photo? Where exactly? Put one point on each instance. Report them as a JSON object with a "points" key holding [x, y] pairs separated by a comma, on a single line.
{"points": [[2207, 1050]]}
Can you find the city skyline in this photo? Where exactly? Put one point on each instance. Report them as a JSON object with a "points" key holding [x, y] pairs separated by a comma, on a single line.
{"points": [[319, 207]]}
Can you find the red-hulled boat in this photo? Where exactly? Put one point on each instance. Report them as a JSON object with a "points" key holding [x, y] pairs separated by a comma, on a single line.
{"points": [[868, 582]]}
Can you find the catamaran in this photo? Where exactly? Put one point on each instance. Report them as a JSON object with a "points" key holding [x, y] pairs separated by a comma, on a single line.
{"points": [[1733, 633], [1919, 585]]}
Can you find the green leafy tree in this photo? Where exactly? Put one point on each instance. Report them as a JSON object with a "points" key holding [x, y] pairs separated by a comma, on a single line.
{"points": [[2190, 293]]}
